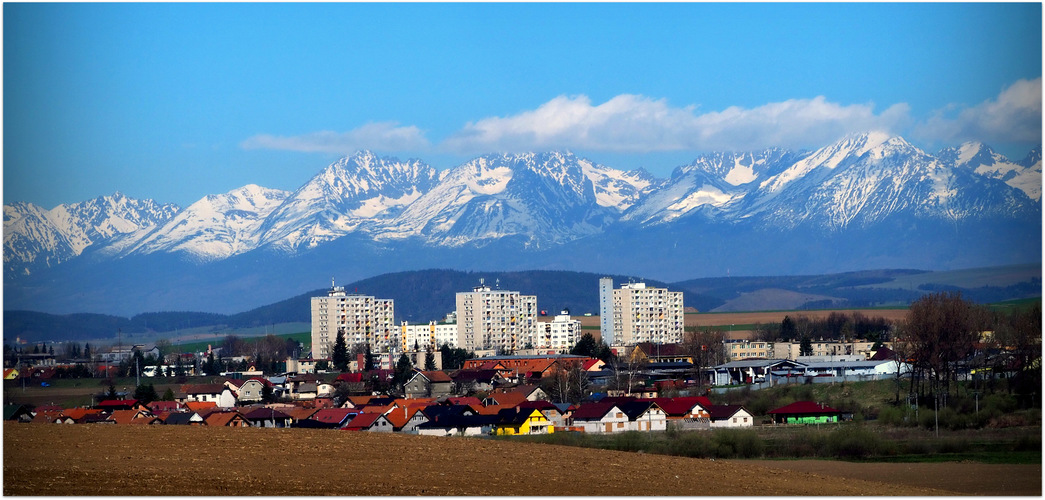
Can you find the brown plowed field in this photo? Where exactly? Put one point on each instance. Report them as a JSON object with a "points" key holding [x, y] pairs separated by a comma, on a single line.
{"points": [[51, 459]]}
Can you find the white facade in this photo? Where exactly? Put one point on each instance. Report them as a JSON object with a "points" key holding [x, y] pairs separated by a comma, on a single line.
{"points": [[432, 335], [495, 319], [653, 419], [647, 314], [739, 419], [606, 310], [560, 334], [363, 318]]}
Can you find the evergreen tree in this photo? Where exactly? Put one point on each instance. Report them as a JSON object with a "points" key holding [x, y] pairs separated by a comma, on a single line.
{"points": [[145, 393], [429, 359], [340, 355], [585, 346], [403, 370], [169, 395], [787, 329], [369, 359], [87, 350], [806, 347]]}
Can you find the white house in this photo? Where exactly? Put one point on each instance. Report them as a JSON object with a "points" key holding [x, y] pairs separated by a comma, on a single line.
{"points": [[601, 418], [730, 416]]}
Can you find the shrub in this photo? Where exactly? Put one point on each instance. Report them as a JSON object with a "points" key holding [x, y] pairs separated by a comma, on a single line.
{"points": [[696, 444], [853, 441], [731, 443], [891, 415]]}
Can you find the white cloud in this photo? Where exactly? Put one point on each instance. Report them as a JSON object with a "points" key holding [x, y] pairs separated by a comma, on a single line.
{"points": [[382, 136], [637, 124], [1014, 116]]}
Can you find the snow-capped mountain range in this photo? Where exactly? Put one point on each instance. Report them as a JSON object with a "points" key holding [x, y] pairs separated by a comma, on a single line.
{"points": [[548, 202]]}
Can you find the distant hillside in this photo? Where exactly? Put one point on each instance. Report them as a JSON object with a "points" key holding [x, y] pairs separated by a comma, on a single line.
{"points": [[422, 296]]}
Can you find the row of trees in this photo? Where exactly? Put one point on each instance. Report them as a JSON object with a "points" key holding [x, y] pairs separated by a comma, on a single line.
{"points": [[836, 326], [945, 335]]}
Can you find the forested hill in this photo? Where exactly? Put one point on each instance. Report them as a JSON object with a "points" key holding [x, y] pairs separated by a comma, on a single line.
{"points": [[420, 296]]}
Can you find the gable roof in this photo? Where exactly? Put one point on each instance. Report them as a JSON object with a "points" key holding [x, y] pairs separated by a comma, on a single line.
{"points": [[199, 406], [635, 409], [516, 416], [265, 413], [464, 400], [125, 416], [362, 421], [223, 418], [593, 411], [681, 405], [333, 415], [436, 376], [804, 407], [507, 398], [721, 412], [539, 405], [193, 389], [181, 418], [117, 403], [399, 417], [158, 406], [350, 378]]}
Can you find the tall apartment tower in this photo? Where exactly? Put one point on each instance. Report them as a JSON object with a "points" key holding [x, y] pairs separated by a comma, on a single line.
{"points": [[364, 319], [495, 319], [647, 314], [606, 310]]}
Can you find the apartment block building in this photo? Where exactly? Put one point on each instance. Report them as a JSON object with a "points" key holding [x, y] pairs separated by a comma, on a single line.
{"points": [[432, 335], [495, 319], [364, 319], [560, 334], [646, 314]]}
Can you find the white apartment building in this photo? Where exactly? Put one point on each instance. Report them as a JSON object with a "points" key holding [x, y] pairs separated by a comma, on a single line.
{"points": [[432, 335], [559, 335], [495, 319], [647, 314], [364, 319], [606, 310]]}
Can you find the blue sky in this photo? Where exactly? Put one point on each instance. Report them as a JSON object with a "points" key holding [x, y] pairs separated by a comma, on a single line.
{"points": [[176, 101]]}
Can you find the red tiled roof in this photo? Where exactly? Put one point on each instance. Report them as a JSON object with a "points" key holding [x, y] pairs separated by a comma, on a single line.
{"points": [[222, 418], [349, 377], [332, 415], [803, 407], [437, 376], [464, 400], [362, 421], [592, 411], [719, 412]]}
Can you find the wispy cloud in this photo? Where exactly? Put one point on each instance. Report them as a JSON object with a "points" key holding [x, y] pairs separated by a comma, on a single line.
{"points": [[380, 136], [631, 123], [1014, 116], [638, 124]]}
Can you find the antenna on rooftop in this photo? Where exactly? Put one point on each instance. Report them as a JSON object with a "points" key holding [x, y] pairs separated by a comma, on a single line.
{"points": [[497, 284]]}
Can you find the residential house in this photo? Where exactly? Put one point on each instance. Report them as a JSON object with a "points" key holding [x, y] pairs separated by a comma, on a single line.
{"points": [[660, 353], [456, 424], [425, 384], [368, 422], [164, 406], [253, 390], [551, 412], [184, 418], [684, 408], [19, 413], [330, 418], [268, 417], [121, 404], [124, 417], [601, 417], [805, 412], [521, 421], [219, 394], [226, 419], [510, 399], [644, 416], [467, 381], [730, 416]]}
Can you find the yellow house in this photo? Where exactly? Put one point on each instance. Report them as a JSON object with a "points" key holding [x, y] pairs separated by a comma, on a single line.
{"points": [[10, 374], [520, 421]]}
